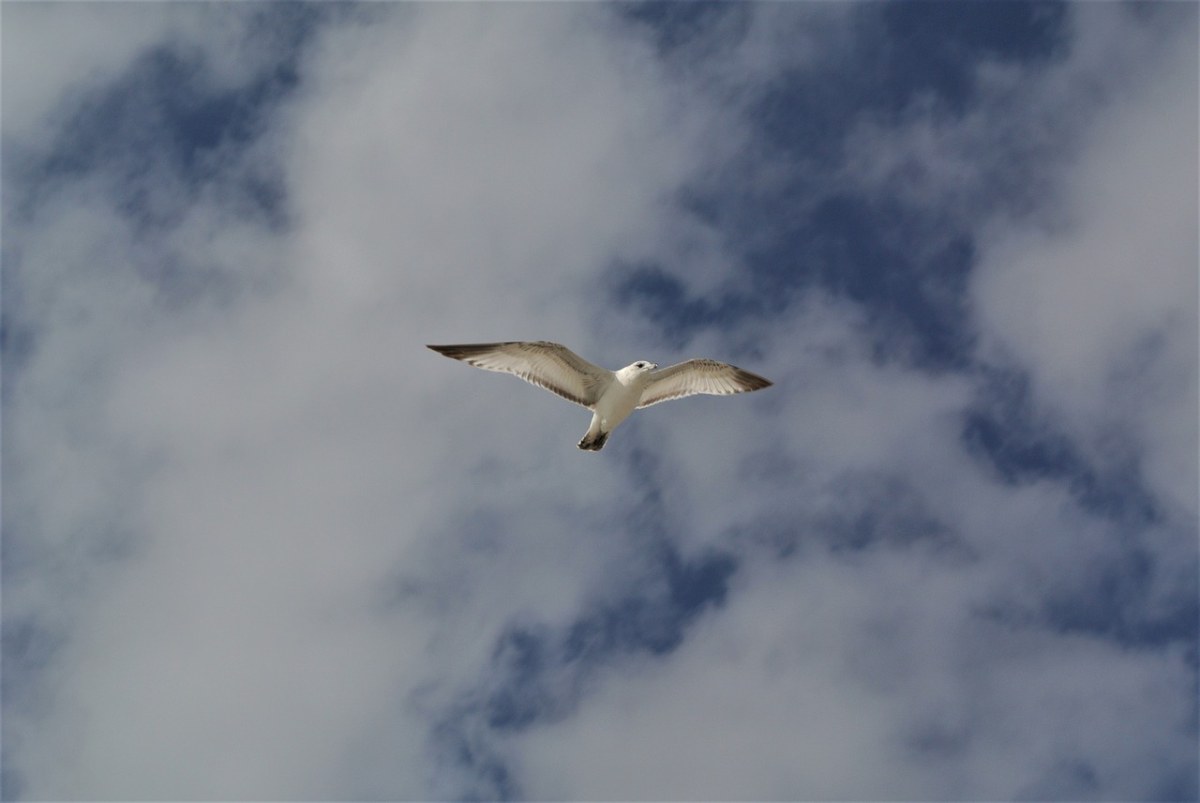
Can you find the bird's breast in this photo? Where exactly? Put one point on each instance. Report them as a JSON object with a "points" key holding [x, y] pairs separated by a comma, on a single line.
{"points": [[618, 401]]}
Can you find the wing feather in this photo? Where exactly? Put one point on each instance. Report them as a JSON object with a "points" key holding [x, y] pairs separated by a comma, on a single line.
{"points": [[699, 376], [551, 366]]}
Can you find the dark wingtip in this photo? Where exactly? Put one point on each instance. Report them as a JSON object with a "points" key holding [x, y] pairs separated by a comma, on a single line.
{"points": [[753, 381], [461, 350]]}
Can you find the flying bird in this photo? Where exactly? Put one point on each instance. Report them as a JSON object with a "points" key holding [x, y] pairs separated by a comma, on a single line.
{"points": [[610, 395]]}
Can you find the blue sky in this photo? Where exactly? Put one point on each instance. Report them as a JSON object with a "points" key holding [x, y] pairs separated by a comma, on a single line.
{"points": [[259, 543]]}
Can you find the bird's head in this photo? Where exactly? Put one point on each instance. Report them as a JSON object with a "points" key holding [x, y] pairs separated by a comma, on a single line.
{"points": [[639, 368]]}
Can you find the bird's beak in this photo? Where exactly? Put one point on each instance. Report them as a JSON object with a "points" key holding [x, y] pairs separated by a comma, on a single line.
{"points": [[654, 366]]}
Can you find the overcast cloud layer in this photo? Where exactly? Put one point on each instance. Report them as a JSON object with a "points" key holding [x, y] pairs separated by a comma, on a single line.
{"points": [[258, 543]]}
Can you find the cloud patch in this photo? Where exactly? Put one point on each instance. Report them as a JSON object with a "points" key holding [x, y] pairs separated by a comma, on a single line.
{"points": [[259, 544]]}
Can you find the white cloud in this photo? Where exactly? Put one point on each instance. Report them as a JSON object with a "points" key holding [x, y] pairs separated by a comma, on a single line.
{"points": [[885, 637], [866, 679], [1102, 306], [582, 139], [278, 540], [319, 517], [54, 54], [92, 45], [929, 668]]}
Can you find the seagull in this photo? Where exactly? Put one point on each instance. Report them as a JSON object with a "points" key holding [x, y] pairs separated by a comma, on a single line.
{"points": [[610, 395]]}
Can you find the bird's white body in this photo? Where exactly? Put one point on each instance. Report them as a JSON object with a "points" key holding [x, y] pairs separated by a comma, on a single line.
{"points": [[618, 400], [610, 395]]}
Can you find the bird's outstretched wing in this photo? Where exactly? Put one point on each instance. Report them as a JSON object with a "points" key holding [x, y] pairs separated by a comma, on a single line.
{"points": [[699, 376], [547, 365]]}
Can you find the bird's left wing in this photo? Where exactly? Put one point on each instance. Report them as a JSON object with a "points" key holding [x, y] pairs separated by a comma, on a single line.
{"points": [[547, 365], [699, 376]]}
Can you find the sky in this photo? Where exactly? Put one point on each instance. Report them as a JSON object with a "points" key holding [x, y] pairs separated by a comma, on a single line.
{"points": [[259, 543]]}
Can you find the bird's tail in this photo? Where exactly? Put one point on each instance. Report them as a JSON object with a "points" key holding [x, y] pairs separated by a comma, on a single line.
{"points": [[593, 441]]}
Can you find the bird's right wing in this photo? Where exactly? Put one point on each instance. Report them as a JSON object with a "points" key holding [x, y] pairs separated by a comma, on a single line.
{"points": [[699, 376], [547, 365]]}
